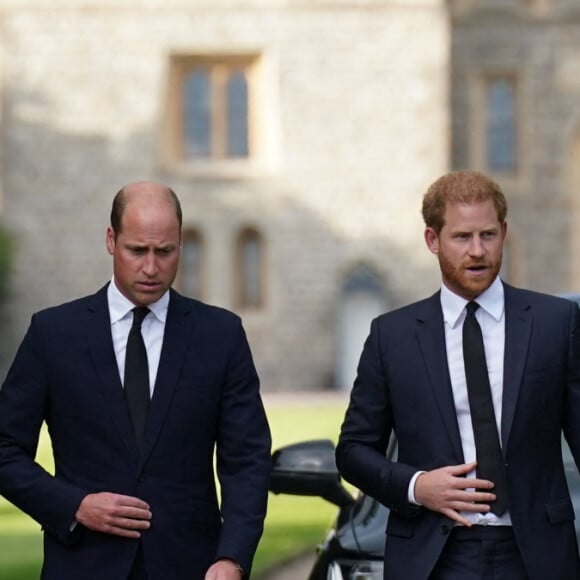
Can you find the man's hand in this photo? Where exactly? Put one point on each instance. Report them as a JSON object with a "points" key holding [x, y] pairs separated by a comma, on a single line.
{"points": [[111, 513], [448, 491], [223, 570]]}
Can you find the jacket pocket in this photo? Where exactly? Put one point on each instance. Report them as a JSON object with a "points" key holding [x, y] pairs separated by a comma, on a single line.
{"points": [[560, 512], [400, 527]]}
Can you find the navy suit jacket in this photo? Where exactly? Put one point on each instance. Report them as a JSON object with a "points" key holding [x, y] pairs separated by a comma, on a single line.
{"points": [[206, 397], [403, 386]]}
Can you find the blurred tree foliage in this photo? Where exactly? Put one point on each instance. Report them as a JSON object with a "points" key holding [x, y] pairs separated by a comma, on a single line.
{"points": [[6, 247]]}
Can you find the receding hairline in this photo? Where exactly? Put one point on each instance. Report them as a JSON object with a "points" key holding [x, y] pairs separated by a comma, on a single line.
{"points": [[145, 190], [142, 190]]}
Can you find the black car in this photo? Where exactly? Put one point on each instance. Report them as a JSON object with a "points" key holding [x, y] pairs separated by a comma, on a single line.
{"points": [[353, 548]]}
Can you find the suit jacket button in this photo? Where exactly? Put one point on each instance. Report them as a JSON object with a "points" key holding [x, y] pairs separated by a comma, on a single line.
{"points": [[445, 529], [141, 479]]}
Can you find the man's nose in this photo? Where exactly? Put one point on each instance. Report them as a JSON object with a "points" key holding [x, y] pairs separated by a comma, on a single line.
{"points": [[476, 247], [150, 264]]}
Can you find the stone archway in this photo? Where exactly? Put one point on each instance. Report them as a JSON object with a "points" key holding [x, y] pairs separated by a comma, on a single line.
{"points": [[362, 299]]}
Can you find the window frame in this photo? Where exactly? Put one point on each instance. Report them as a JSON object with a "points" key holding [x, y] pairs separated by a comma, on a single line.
{"points": [[478, 140], [492, 164], [220, 66]]}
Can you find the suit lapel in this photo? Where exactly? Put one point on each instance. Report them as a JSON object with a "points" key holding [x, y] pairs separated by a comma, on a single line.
{"points": [[176, 340], [101, 349], [518, 330], [431, 337]]}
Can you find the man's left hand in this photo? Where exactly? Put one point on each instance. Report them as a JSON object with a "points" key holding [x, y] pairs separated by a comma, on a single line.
{"points": [[223, 570]]}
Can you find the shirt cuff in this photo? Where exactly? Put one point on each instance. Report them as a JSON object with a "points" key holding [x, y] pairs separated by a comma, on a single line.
{"points": [[411, 490]]}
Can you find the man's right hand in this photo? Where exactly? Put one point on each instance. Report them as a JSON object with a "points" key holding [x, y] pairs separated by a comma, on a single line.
{"points": [[448, 491], [111, 513]]}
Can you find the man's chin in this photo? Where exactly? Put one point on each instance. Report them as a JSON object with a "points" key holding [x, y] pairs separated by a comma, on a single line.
{"points": [[473, 288], [145, 297]]}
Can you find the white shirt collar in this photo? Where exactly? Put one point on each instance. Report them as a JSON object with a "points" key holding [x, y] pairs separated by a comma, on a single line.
{"points": [[492, 301], [120, 306]]}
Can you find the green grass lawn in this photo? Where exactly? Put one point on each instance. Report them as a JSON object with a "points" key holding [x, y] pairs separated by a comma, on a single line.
{"points": [[293, 524], [20, 545], [20, 536]]}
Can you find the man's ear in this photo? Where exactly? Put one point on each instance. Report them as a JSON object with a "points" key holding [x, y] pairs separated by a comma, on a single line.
{"points": [[110, 240], [432, 240]]}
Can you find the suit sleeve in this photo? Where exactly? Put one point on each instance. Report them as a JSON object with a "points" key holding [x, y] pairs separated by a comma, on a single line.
{"points": [[366, 430], [572, 400], [23, 403], [243, 457]]}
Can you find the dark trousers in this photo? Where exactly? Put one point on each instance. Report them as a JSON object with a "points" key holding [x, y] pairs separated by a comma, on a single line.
{"points": [[138, 570], [480, 553]]}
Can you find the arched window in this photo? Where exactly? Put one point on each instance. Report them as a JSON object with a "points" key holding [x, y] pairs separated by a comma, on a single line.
{"points": [[250, 268], [190, 267], [362, 299]]}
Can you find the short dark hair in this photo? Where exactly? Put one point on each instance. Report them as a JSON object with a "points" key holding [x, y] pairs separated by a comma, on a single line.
{"points": [[460, 187], [120, 203]]}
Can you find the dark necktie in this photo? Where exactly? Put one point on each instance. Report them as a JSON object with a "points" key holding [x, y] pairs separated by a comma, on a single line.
{"points": [[136, 382], [487, 447]]}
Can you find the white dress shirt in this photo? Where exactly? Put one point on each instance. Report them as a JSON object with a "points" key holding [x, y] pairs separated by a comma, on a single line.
{"points": [[491, 318], [152, 329]]}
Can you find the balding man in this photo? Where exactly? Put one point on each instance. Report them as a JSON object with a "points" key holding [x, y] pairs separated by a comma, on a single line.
{"points": [[139, 386]]}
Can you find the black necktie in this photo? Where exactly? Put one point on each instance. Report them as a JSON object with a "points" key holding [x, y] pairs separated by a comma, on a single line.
{"points": [[136, 382], [487, 447]]}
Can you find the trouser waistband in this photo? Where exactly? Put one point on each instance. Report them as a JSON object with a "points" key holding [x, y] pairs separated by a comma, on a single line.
{"points": [[482, 533]]}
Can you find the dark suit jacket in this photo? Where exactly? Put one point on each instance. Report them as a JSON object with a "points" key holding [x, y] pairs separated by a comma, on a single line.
{"points": [[403, 385], [206, 395]]}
